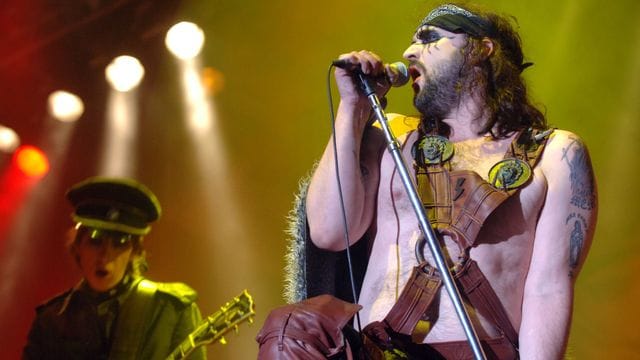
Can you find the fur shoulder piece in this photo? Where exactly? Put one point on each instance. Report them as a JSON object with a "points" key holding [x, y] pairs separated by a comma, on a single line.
{"points": [[311, 271], [295, 286]]}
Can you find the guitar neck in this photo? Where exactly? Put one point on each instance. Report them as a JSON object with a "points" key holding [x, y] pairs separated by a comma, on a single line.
{"points": [[186, 347], [238, 310]]}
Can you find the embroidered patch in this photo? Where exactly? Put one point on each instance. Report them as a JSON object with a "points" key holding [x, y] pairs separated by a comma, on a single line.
{"points": [[509, 174], [432, 149]]}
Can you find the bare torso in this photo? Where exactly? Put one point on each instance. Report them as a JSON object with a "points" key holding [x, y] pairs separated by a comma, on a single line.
{"points": [[506, 242]]}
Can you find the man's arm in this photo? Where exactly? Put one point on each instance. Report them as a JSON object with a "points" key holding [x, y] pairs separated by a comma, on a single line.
{"points": [[563, 237], [358, 152]]}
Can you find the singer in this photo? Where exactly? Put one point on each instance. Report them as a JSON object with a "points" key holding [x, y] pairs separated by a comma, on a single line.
{"points": [[512, 201]]}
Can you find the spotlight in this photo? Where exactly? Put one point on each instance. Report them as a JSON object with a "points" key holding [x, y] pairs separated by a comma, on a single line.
{"points": [[9, 140], [124, 73], [65, 106], [184, 40], [31, 161]]}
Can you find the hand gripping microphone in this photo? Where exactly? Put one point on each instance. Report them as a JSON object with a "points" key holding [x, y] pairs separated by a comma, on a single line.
{"points": [[397, 74]]}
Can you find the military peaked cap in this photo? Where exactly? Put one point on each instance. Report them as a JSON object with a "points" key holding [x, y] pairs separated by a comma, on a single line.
{"points": [[117, 204]]}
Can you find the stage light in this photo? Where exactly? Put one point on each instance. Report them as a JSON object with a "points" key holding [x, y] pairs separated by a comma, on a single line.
{"points": [[9, 140], [31, 161], [184, 40], [65, 106], [124, 73]]}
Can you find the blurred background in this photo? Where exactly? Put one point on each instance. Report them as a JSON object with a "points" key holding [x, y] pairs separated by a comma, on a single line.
{"points": [[223, 137]]}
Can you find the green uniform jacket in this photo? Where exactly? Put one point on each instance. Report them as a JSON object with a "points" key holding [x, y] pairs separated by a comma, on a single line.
{"points": [[81, 325]]}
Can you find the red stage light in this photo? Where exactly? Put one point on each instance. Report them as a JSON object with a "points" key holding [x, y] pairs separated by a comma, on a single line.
{"points": [[31, 161]]}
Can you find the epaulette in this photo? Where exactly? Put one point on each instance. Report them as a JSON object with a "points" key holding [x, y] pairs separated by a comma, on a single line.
{"points": [[53, 300], [180, 291]]}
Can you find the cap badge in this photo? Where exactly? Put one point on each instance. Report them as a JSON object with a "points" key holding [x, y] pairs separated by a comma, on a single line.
{"points": [[113, 214]]}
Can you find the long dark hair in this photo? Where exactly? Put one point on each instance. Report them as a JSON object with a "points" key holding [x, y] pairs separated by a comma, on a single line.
{"points": [[499, 77]]}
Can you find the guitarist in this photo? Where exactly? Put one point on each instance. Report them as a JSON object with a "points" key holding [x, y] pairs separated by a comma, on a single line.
{"points": [[113, 312]]}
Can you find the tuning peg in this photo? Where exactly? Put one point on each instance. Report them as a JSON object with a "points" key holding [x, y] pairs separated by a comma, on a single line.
{"points": [[250, 320], [236, 329], [223, 341]]}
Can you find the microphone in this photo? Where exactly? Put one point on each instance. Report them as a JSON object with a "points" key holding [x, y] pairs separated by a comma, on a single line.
{"points": [[398, 74]]}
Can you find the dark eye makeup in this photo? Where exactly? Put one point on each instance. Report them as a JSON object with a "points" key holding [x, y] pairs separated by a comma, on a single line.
{"points": [[427, 36]]}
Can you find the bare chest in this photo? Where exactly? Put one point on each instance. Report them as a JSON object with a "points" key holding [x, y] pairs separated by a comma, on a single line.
{"points": [[506, 237]]}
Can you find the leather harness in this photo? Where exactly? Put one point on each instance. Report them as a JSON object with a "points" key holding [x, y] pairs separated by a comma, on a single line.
{"points": [[458, 202]]}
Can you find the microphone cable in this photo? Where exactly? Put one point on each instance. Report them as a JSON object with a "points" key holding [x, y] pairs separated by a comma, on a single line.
{"points": [[342, 206]]}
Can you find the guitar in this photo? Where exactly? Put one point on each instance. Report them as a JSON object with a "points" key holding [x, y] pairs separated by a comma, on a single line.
{"points": [[213, 328]]}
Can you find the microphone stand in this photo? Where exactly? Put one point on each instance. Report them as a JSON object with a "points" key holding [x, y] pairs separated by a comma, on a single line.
{"points": [[425, 225]]}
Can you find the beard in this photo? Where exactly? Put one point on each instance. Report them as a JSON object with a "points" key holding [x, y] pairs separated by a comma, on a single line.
{"points": [[441, 92]]}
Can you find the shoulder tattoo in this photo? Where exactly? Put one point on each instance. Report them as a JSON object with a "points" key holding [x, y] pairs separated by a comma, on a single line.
{"points": [[581, 174]]}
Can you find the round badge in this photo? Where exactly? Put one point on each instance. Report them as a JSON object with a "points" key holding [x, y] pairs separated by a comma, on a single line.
{"points": [[432, 149], [509, 174]]}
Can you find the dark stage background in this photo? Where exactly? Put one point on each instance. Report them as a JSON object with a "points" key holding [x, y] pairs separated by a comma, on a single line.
{"points": [[226, 198]]}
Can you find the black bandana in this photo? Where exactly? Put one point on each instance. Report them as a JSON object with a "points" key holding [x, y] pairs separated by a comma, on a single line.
{"points": [[458, 20]]}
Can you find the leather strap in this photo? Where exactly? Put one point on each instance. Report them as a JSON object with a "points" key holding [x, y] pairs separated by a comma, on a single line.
{"points": [[528, 145], [413, 303], [482, 296], [132, 321], [416, 297]]}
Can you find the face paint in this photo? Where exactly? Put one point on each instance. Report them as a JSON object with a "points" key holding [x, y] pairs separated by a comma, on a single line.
{"points": [[426, 35]]}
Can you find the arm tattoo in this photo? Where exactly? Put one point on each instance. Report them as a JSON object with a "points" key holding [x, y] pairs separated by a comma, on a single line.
{"points": [[581, 175], [576, 240], [582, 196]]}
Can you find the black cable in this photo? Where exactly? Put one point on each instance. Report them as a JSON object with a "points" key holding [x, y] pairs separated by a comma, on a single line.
{"points": [[339, 183]]}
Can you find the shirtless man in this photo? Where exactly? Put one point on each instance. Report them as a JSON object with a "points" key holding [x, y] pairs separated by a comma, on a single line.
{"points": [[465, 67]]}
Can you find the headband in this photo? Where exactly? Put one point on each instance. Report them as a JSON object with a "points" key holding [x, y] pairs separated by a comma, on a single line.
{"points": [[456, 19]]}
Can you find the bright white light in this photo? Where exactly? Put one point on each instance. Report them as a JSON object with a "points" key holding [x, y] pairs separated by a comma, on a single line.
{"points": [[198, 105], [119, 156], [9, 140], [184, 40], [124, 73], [65, 106]]}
